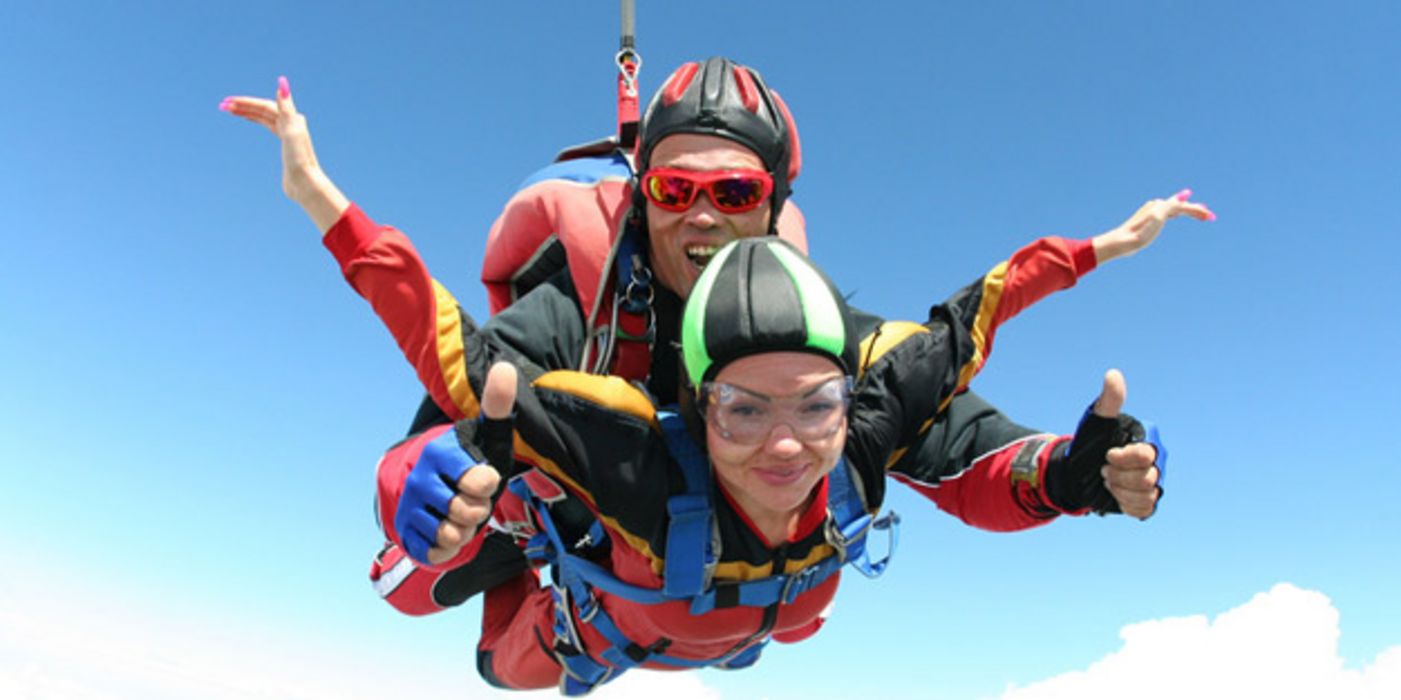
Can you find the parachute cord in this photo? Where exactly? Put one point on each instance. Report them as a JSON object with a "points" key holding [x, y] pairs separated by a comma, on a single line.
{"points": [[629, 31], [629, 62]]}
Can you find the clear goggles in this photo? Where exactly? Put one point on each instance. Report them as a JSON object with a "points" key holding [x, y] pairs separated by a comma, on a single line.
{"points": [[748, 417]]}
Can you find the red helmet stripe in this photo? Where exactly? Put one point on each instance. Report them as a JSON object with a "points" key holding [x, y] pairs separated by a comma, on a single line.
{"points": [[678, 82], [748, 92], [795, 149]]}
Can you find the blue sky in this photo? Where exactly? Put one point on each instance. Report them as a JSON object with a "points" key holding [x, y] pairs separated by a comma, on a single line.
{"points": [[194, 400]]}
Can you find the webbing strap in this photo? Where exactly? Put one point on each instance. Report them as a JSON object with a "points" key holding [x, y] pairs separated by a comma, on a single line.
{"points": [[850, 523], [690, 555]]}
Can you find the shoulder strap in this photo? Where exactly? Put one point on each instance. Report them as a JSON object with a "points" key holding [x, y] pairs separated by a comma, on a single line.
{"points": [[690, 551], [851, 521]]}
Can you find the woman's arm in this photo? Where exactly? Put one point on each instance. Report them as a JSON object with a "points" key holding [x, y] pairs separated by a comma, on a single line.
{"points": [[303, 180]]}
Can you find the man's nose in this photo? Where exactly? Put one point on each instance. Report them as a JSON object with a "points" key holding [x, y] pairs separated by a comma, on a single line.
{"points": [[703, 214]]}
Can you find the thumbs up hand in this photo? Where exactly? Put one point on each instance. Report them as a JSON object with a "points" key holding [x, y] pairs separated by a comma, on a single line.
{"points": [[449, 493], [1109, 467]]}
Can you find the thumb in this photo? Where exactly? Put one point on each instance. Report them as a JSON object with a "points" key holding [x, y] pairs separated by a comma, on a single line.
{"points": [[499, 393], [284, 96], [1111, 398]]}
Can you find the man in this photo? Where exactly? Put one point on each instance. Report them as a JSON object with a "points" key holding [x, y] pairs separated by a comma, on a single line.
{"points": [[709, 118]]}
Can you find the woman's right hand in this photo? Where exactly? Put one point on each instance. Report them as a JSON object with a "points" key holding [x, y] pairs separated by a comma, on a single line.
{"points": [[303, 180], [1144, 226]]}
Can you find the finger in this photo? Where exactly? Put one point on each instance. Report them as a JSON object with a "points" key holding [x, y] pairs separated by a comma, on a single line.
{"points": [[1131, 480], [1140, 455], [253, 109], [1112, 396], [417, 546], [452, 536], [1138, 505], [438, 555], [469, 512], [284, 96], [1196, 210], [479, 482], [499, 394], [420, 527]]}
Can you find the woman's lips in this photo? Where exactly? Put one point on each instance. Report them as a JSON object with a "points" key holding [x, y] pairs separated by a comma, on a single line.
{"points": [[781, 475]]}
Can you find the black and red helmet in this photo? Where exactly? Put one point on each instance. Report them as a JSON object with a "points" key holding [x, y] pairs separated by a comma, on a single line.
{"points": [[723, 98]]}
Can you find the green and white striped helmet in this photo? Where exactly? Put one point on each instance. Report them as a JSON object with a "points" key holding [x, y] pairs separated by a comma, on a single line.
{"points": [[760, 295]]}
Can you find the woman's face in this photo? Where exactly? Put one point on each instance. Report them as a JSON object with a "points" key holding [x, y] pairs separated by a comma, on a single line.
{"points": [[772, 479]]}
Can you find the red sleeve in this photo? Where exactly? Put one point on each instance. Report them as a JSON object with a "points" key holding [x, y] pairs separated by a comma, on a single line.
{"points": [[382, 266], [1042, 267], [391, 474], [1003, 491]]}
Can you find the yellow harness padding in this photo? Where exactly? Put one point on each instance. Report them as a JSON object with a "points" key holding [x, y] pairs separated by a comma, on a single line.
{"points": [[615, 394]]}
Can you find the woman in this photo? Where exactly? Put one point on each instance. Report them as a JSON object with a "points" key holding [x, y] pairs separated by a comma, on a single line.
{"points": [[715, 551]]}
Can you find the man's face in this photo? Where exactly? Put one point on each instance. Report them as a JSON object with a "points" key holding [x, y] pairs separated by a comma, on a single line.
{"points": [[682, 242]]}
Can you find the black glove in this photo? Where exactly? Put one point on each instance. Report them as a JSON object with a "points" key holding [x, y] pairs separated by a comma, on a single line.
{"points": [[1073, 479]]}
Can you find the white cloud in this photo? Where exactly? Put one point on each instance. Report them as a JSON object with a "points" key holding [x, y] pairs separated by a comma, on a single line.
{"points": [[81, 645], [75, 645], [1282, 644]]}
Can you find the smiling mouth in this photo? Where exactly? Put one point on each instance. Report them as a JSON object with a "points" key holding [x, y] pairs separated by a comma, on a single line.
{"points": [[782, 476], [700, 255]]}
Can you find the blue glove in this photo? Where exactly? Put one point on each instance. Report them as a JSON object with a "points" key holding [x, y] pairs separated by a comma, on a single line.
{"points": [[431, 485]]}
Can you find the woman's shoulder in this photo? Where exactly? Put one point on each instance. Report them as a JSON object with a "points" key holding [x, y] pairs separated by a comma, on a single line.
{"points": [[609, 393]]}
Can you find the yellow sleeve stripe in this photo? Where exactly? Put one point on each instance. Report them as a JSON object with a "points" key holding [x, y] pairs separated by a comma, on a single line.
{"points": [[451, 356], [993, 283]]}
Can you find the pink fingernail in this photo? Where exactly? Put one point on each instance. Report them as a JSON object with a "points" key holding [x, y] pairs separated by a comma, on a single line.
{"points": [[1210, 215], [226, 105], [283, 89], [1183, 195]]}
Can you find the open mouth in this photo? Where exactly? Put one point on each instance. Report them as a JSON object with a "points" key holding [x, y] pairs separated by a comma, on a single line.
{"points": [[700, 255]]}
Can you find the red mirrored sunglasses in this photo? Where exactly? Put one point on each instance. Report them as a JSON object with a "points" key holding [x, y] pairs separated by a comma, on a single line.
{"points": [[731, 191]]}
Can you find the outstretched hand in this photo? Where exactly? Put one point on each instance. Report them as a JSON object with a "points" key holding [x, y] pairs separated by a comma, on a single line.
{"points": [[1130, 473], [1144, 226], [303, 180], [448, 495]]}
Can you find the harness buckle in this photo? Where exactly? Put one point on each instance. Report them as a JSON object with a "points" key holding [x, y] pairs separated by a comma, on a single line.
{"points": [[797, 584], [842, 539], [588, 609]]}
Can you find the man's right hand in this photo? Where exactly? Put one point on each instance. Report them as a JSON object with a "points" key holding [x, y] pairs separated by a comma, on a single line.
{"points": [[449, 494]]}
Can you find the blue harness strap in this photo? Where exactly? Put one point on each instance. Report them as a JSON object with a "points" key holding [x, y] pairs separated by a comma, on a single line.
{"points": [[690, 559], [690, 555]]}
